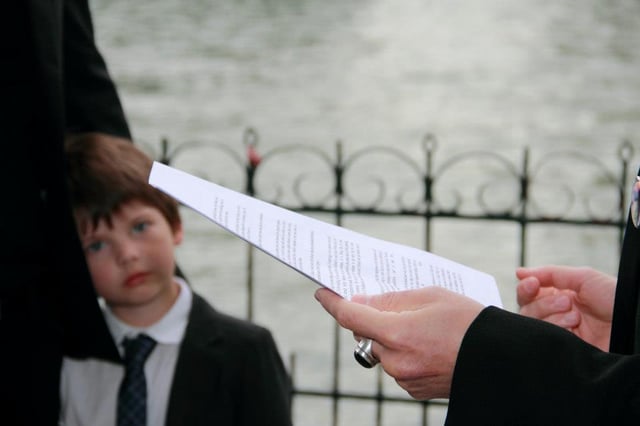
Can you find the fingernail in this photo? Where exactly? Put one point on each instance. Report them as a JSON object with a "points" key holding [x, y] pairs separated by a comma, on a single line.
{"points": [[530, 285]]}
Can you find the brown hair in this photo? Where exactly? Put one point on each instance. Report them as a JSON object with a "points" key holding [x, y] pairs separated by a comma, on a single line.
{"points": [[104, 172]]}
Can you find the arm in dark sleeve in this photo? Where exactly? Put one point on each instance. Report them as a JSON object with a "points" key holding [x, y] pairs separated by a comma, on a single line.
{"points": [[91, 98], [514, 370]]}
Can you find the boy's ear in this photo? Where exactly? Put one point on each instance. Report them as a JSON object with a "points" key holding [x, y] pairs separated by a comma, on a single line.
{"points": [[178, 233]]}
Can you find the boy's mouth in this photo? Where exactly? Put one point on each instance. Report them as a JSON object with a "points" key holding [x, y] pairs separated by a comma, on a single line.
{"points": [[136, 279]]}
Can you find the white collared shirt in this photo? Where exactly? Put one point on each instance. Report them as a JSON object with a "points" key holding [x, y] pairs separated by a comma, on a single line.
{"points": [[89, 387]]}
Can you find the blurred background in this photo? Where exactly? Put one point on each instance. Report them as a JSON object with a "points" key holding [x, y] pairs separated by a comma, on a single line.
{"points": [[496, 75]]}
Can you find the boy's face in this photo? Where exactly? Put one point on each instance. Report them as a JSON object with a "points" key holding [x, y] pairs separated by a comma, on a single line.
{"points": [[132, 262]]}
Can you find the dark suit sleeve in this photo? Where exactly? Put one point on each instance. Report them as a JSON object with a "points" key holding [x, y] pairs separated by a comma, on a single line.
{"points": [[624, 328], [514, 370], [91, 98]]}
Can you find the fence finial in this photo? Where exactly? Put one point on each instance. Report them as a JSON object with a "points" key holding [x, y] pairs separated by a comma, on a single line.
{"points": [[250, 140]]}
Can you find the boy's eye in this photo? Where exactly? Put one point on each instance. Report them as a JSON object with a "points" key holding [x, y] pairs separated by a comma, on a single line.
{"points": [[95, 246], [140, 227]]}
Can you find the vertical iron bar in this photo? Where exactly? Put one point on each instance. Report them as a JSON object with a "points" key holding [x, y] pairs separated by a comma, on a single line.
{"points": [[624, 152], [336, 329], [250, 138], [250, 282], [379, 396], [524, 199], [292, 374], [164, 151], [429, 145]]}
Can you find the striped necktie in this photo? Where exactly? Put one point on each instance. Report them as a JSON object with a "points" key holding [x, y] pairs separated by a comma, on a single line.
{"points": [[132, 396]]}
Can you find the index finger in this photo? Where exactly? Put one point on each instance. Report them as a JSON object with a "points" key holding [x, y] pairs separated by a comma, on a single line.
{"points": [[561, 277], [528, 290], [362, 319]]}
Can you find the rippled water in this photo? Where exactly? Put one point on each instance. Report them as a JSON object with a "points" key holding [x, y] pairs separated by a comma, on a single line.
{"points": [[497, 75], [494, 73]]}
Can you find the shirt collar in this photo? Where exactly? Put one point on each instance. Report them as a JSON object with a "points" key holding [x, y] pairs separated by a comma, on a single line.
{"points": [[168, 330]]}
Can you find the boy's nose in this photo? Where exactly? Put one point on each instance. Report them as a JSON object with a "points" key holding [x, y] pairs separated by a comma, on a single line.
{"points": [[127, 252]]}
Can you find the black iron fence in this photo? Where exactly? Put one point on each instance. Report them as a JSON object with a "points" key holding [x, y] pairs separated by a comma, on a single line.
{"points": [[569, 188]]}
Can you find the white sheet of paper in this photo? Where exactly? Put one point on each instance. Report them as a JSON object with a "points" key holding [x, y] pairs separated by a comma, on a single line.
{"points": [[342, 260]]}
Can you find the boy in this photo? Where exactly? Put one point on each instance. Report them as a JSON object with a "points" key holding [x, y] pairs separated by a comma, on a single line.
{"points": [[204, 367]]}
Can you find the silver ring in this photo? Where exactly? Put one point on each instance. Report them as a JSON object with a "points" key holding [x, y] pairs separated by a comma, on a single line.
{"points": [[362, 353]]}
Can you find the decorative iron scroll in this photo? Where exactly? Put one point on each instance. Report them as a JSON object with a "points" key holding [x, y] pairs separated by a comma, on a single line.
{"points": [[388, 181]]}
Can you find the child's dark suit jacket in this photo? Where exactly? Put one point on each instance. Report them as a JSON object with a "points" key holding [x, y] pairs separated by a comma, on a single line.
{"points": [[229, 372]]}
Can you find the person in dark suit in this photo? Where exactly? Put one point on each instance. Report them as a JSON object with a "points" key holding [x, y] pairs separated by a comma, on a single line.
{"points": [[551, 367], [203, 367], [54, 82]]}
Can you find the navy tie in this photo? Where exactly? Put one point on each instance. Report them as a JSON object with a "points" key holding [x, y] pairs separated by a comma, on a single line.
{"points": [[132, 396]]}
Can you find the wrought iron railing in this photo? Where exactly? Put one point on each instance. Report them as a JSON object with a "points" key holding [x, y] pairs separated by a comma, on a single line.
{"points": [[385, 181]]}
